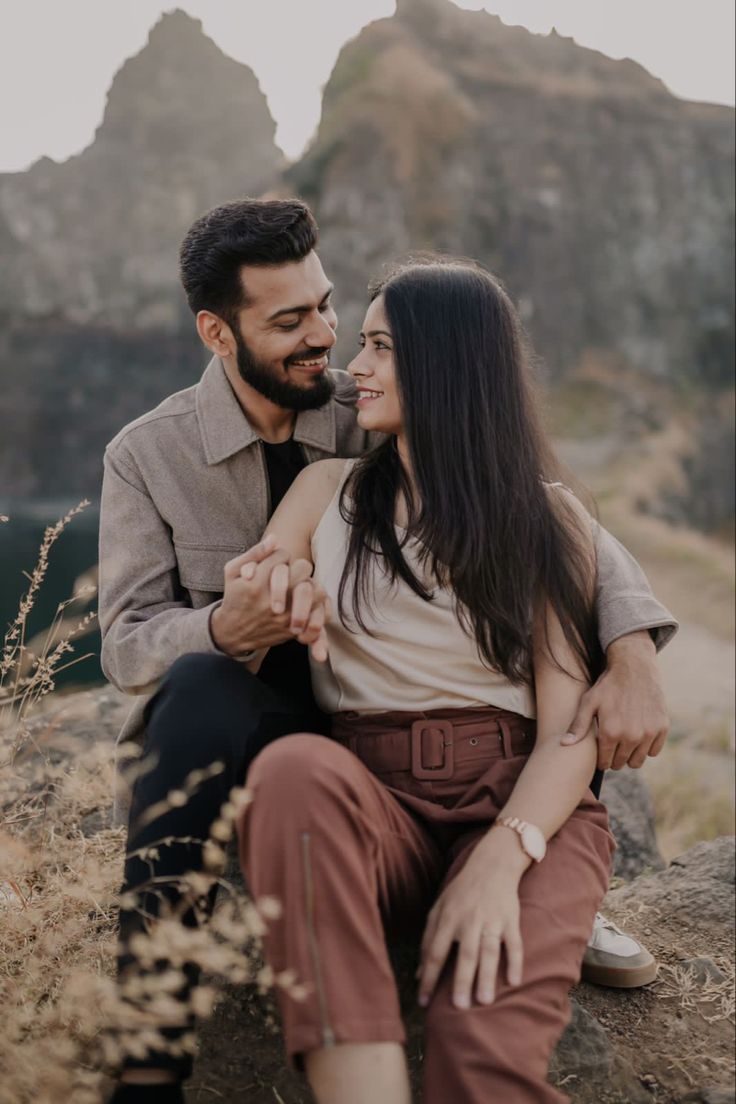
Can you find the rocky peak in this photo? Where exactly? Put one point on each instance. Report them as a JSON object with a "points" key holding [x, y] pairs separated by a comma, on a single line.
{"points": [[95, 239], [96, 326], [176, 27], [421, 13], [514, 54], [166, 97], [570, 173]]}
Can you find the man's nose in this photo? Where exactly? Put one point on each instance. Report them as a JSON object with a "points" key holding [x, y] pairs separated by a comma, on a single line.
{"points": [[321, 334]]}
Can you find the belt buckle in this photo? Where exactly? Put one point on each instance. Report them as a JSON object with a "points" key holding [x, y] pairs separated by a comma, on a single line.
{"points": [[447, 767]]}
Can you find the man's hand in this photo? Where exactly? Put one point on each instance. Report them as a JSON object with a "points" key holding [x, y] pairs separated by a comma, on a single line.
{"points": [[266, 601], [629, 705]]}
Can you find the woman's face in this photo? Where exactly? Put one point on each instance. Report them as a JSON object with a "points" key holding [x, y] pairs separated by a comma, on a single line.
{"points": [[373, 371]]}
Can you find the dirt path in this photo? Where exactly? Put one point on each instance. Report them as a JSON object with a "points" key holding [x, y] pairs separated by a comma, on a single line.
{"points": [[692, 780], [698, 669]]}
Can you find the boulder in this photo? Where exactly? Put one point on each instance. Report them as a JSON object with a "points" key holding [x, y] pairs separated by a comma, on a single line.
{"points": [[588, 1066], [631, 813], [696, 890]]}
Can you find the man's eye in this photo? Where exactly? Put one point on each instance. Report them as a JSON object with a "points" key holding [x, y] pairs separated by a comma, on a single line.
{"points": [[289, 325], [327, 305]]}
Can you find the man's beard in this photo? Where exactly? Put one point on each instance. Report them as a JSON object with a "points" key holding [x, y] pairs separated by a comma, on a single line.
{"points": [[283, 392]]}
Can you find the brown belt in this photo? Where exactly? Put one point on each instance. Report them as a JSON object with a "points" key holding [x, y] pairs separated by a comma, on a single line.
{"points": [[430, 744]]}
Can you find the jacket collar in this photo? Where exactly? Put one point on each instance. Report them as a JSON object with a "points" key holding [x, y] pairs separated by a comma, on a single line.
{"points": [[226, 430]]}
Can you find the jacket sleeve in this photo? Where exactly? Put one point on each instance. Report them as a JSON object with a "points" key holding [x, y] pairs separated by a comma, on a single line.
{"points": [[624, 599], [145, 619]]}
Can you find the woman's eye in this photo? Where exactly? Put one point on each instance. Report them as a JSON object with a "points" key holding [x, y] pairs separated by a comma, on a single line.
{"points": [[379, 345]]}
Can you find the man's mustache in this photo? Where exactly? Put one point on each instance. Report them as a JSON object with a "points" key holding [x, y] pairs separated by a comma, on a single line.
{"points": [[308, 354]]}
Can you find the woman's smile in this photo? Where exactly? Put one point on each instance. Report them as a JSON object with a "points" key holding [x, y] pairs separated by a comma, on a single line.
{"points": [[365, 396]]}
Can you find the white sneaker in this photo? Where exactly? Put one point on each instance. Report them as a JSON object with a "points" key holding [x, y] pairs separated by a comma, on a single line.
{"points": [[616, 959]]}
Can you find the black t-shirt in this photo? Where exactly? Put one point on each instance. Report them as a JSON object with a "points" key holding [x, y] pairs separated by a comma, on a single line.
{"points": [[283, 464], [286, 666]]}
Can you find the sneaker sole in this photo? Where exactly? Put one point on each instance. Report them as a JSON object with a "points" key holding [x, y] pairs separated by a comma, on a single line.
{"points": [[617, 977]]}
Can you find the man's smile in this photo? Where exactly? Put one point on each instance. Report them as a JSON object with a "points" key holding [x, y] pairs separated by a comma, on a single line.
{"points": [[311, 366], [313, 363]]}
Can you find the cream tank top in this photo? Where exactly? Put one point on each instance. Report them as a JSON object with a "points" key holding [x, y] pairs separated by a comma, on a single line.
{"points": [[417, 656]]}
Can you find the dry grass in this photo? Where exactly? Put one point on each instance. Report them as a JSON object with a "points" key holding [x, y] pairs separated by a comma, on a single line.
{"points": [[62, 1018], [693, 797], [711, 998]]}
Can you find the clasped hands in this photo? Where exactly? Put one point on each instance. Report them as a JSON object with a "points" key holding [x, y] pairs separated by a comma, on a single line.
{"points": [[267, 600]]}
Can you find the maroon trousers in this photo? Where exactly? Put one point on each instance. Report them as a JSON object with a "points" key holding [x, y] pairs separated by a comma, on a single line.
{"points": [[358, 834]]}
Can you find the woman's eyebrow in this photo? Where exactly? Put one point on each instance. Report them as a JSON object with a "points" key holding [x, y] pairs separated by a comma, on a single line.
{"points": [[376, 333]]}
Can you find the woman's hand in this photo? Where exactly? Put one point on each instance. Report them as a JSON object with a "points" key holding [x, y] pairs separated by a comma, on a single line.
{"points": [[293, 594], [478, 910]]}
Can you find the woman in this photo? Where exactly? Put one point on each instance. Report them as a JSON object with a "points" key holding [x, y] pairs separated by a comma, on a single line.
{"points": [[461, 587]]}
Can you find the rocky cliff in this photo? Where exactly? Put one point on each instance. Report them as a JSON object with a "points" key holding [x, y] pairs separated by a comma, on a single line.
{"points": [[94, 326], [604, 202], [94, 240]]}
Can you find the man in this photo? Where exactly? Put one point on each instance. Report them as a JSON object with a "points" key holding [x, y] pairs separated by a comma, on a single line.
{"points": [[188, 594]]}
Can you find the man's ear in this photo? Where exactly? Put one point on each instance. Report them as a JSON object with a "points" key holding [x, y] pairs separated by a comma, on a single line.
{"points": [[215, 334]]}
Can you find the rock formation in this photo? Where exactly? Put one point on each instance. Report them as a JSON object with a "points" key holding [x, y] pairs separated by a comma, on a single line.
{"points": [[605, 202], [94, 240], [95, 328]]}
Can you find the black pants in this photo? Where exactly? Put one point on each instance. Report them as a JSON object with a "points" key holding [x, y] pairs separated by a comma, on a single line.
{"points": [[208, 709]]}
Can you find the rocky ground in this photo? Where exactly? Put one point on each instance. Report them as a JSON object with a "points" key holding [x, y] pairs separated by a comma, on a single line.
{"points": [[669, 1043]]}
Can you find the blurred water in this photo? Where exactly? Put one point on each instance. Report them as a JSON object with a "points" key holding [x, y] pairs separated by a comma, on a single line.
{"points": [[73, 554]]}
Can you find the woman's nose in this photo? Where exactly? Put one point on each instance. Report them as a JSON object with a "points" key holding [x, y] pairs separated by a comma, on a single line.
{"points": [[355, 368]]}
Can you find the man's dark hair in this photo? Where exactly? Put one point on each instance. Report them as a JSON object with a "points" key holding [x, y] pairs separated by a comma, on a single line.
{"points": [[244, 232]]}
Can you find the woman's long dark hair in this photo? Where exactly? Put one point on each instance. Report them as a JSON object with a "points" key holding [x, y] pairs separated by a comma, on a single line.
{"points": [[489, 527]]}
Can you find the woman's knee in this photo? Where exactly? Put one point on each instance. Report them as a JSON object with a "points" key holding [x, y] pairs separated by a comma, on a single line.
{"points": [[295, 767]]}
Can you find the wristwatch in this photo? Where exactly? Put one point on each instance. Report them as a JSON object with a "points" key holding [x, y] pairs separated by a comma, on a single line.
{"points": [[532, 838]]}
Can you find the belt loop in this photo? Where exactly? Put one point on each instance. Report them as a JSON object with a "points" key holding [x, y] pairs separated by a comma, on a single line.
{"points": [[508, 751]]}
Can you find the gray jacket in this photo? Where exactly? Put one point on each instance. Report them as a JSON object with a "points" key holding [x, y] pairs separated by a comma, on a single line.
{"points": [[185, 490]]}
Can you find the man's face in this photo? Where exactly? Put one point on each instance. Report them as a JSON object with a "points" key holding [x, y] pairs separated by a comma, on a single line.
{"points": [[285, 334]]}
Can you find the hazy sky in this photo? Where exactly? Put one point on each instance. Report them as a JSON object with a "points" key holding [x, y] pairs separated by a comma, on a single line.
{"points": [[58, 57]]}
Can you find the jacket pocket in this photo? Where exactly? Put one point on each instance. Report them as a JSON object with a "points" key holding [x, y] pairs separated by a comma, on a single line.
{"points": [[203, 568]]}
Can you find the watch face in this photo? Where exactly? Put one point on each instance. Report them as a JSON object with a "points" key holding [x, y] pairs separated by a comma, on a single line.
{"points": [[534, 842]]}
